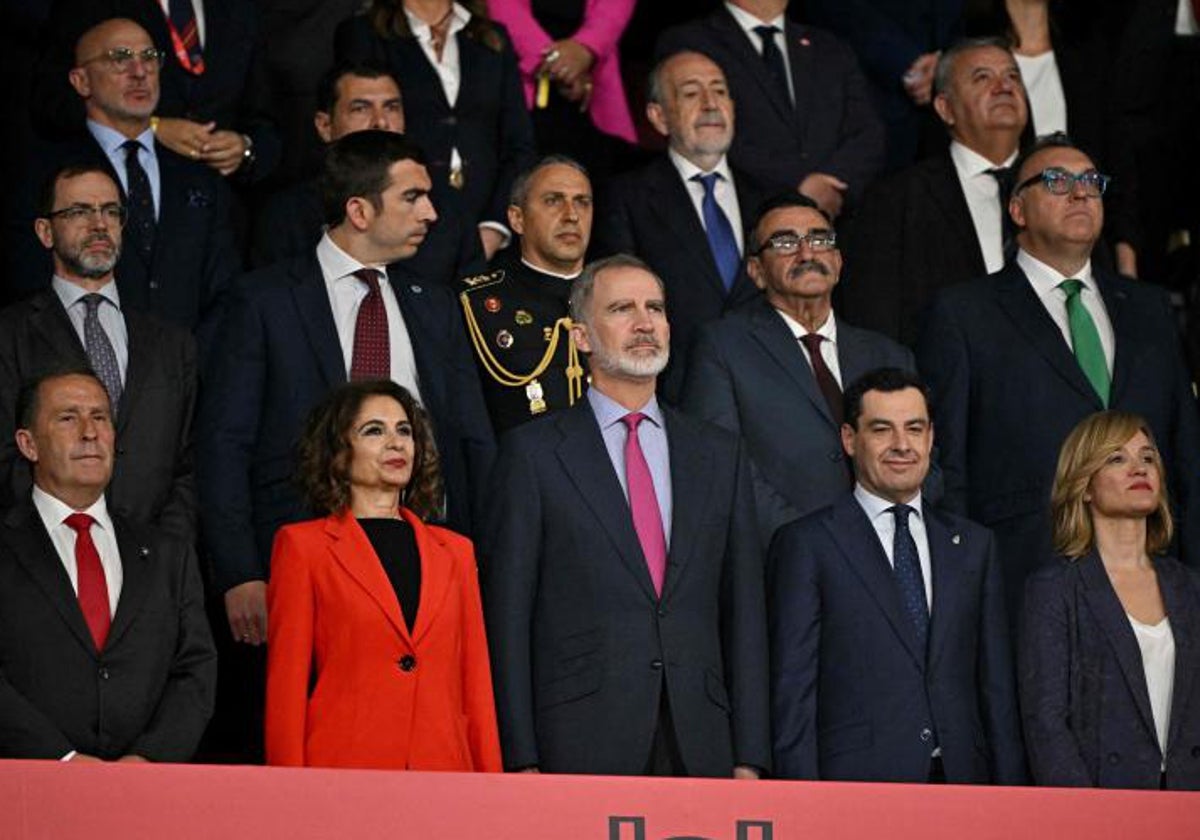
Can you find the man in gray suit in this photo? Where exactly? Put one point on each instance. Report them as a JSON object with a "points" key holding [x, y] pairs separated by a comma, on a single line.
{"points": [[773, 371]]}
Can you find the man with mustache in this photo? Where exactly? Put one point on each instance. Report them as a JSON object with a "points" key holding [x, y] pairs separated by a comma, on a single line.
{"points": [[890, 659], [299, 328], [82, 319], [622, 571], [786, 355], [687, 199], [517, 314]]}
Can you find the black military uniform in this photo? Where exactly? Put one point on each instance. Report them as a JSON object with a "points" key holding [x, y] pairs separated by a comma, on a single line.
{"points": [[517, 319]]}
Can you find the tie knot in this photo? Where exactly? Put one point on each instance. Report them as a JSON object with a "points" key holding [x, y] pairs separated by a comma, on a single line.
{"points": [[92, 301], [80, 523], [812, 342], [767, 33], [901, 513], [708, 181], [370, 276], [131, 147], [633, 419], [1072, 287]]}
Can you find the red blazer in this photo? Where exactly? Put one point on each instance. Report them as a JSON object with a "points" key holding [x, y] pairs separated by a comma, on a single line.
{"points": [[381, 697]]}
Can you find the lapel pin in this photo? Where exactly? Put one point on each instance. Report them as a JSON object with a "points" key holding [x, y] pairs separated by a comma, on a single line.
{"points": [[956, 539], [804, 42], [145, 552], [416, 289]]}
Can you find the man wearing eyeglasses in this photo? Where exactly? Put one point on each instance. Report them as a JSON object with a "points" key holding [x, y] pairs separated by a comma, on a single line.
{"points": [[147, 365], [773, 371], [1014, 360]]}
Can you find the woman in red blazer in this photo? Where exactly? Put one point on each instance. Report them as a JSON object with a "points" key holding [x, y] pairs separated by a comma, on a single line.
{"points": [[377, 656]]}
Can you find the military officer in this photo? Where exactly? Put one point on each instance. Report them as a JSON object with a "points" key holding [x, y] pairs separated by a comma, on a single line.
{"points": [[516, 314]]}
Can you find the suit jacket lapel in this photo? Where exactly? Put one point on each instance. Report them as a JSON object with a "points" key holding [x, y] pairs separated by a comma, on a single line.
{"points": [[55, 328], [354, 553], [586, 464], [779, 343], [36, 553], [947, 560], [735, 40], [136, 573], [1185, 624], [691, 468], [409, 296], [800, 63], [312, 304], [1125, 332], [1110, 615], [946, 193], [1017, 298], [672, 205], [137, 368], [436, 568], [854, 534], [170, 213]]}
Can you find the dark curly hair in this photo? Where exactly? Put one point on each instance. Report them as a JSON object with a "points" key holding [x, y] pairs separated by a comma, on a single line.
{"points": [[324, 473], [389, 21]]}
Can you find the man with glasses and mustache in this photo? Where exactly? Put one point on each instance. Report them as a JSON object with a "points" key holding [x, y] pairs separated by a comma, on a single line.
{"points": [[786, 355], [1014, 360], [622, 571], [147, 365]]}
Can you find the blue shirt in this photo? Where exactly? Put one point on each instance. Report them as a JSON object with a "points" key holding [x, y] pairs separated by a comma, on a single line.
{"points": [[111, 142], [652, 436]]}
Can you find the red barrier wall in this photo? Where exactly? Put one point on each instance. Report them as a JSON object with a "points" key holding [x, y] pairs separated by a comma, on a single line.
{"points": [[56, 801]]}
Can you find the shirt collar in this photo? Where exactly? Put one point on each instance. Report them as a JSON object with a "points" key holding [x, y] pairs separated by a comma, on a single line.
{"points": [[608, 411], [459, 17], [970, 163], [1045, 279], [687, 170], [827, 331], [548, 272], [71, 293], [111, 140], [54, 511], [877, 506], [336, 264], [748, 21]]}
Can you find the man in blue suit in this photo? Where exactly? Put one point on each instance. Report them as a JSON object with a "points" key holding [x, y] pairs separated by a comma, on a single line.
{"points": [[890, 658]]}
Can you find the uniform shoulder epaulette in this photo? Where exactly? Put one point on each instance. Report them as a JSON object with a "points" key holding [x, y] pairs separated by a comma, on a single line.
{"points": [[482, 281]]}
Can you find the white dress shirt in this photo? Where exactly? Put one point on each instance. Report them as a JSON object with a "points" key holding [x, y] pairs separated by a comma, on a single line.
{"points": [[54, 514], [346, 294], [724, 191], [111, 142], [982, 192], [109, 313], [884, 523], [827, 331], [1045, 280], [1043, 85], [1185, 19], [197, 8], [748, 21]]}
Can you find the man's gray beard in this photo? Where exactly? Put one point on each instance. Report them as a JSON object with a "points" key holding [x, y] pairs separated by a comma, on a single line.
{"points": [[91, 266], [623, 364]]}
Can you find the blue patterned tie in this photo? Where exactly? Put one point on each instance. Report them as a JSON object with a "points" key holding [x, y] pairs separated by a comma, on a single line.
{"points": [[907, 567], [101, 355], [721, 240]]}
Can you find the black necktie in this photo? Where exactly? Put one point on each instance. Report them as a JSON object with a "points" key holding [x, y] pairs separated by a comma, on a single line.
{"points": [[906, 563], [773, 58], [141, 200], [1008, 231]]}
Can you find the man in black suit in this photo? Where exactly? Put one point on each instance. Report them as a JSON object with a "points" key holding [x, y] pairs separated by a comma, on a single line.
{"points": [[758, 364], [79, 321], [1016, 359], [105, 653], [806, 117], [941, 221], [622, 572], [688, 199], [890, 658], [355, 97]]}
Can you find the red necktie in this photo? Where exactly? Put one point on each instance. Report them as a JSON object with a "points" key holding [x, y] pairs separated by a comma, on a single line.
{"points": [[93, 589], [824, 376], [371, 357], [643, 503]]}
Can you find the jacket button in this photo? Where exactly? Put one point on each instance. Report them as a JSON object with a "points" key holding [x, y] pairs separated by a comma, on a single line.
{"points": [[1114, 758], [153, 284], [662, 613], [656, 664], [926, 734], [103, 673], [407, 662]]}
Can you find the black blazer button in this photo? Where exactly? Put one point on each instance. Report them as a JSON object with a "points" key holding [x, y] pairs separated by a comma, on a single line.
{"points": [[103, 673], [1114, 758], [407, 662]]}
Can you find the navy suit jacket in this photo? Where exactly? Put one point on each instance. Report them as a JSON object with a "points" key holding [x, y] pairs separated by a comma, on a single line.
{"points": [[1007, 390], [747, 371], [149, 691], [1084, 699], [650, 214], [832, 128], [582, 648], [852, 696], [278, 357]]}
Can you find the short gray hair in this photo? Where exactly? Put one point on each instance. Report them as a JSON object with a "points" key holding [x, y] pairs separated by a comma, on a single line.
{"points": [[585, 283], [519, 193], [945, 65]]}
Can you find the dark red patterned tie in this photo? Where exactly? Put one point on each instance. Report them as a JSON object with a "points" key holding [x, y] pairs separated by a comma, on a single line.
{"points": [[371, 358], [92, 587]]}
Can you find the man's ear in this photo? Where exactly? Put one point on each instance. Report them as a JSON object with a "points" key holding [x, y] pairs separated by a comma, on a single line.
{"points": [[26, 445], [323, 123], [656, 118], [516, 219], [848, 440]]}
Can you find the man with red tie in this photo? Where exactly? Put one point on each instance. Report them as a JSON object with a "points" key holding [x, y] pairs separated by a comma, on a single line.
{"points": [[105, 652]]}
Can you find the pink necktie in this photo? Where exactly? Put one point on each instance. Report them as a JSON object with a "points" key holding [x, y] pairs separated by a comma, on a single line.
{"points": [[647, 518], [93, 589]]}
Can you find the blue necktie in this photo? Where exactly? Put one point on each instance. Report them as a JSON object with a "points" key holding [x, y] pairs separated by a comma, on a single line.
{"points": [[907, 567], [721, 240]]}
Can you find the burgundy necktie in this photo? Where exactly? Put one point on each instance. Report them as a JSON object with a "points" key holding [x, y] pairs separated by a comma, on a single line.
{"points": [[371, 358], [825, 381], [92, 587], [643, 503]]}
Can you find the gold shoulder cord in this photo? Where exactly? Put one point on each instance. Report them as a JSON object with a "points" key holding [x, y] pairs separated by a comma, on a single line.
{"points": [[512, 380]]}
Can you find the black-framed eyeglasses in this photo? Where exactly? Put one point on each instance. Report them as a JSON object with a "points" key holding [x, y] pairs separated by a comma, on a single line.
{"points": [[786, 242], [1059, 181], [111, 213], [120, 59]]}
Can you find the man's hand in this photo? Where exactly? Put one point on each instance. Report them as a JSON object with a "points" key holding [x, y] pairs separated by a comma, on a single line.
{"points": [[529, 770], [580, 92], [918, 79], [246, 607], [744, 772], [1126, 260], [133, 759], [225, 151], [492, 239], [826, 190], [84, 758]]}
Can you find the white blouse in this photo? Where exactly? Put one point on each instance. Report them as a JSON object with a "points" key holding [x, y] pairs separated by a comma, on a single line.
{"points": [[1047, 102], [1157, 643]]}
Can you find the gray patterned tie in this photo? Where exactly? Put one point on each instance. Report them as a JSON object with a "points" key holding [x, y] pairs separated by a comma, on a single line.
{"points": [[100, 350]]}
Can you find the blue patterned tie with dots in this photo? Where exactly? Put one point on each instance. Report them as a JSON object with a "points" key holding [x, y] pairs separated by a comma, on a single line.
{"points": [[101, 355], [907, 567], [141, 201]]}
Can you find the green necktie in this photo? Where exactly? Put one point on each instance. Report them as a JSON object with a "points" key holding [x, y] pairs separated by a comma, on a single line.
{"points": [[1085, 339]]}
